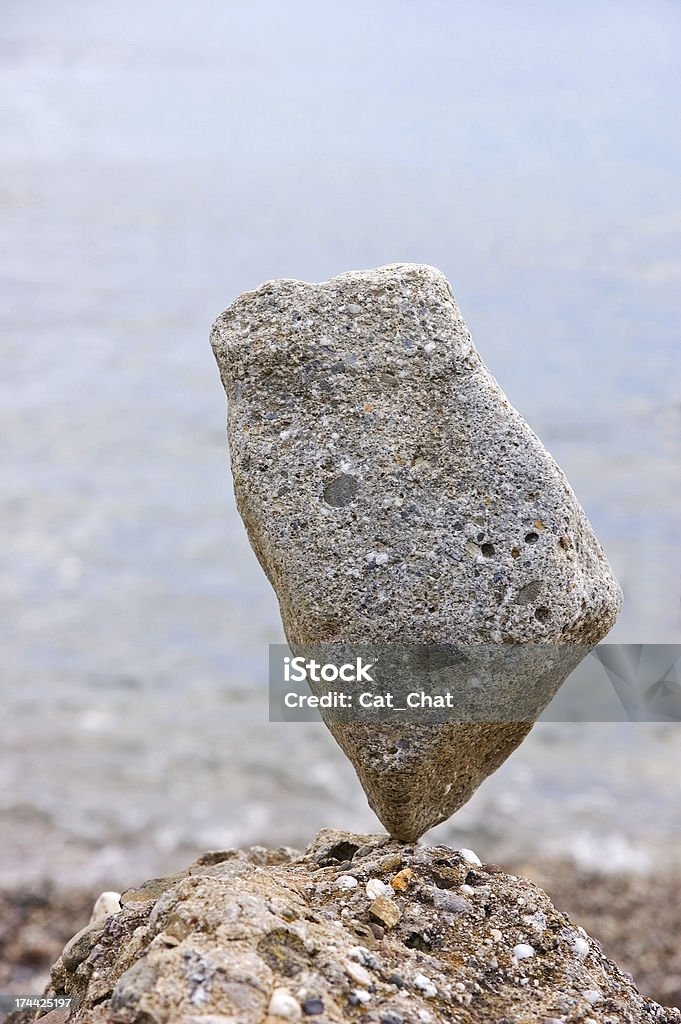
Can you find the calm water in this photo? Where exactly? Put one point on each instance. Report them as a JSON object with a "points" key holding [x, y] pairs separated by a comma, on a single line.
{"points": [[159, 158]]}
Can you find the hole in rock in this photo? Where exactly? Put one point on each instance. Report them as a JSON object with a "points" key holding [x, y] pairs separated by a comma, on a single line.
{"points": [[417, 941], [340, 852]]}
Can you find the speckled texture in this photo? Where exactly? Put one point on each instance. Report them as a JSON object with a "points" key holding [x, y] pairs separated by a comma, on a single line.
{"points": [[238, 936], [392, 493]]}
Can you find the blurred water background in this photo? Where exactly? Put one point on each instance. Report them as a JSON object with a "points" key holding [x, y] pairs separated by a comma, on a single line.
{"points": [[157, 158]]}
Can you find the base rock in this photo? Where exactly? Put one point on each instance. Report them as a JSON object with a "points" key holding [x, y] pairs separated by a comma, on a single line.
{"points": [[268, 936]]}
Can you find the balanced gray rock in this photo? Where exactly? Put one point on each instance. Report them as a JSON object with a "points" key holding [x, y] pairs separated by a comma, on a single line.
{"points": [[360, 928], [394, 496]]}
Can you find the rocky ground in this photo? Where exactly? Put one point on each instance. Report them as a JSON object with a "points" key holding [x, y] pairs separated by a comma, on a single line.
{"points": [[360, 928]]}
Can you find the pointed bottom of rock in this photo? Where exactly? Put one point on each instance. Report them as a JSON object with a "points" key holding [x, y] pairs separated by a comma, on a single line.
{"points": [[417, 776]]}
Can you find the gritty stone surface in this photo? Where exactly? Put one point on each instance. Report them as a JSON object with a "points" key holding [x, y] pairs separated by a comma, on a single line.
{"points": [[252, 939], [636, 917], [392, 494]]}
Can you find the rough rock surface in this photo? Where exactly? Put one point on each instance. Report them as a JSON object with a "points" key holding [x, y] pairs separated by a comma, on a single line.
{"points": [[267, 936], [392, 494]]}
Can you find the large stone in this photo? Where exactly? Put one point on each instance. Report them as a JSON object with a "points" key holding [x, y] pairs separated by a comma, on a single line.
{"points": [[393, 495], [255, 938]]}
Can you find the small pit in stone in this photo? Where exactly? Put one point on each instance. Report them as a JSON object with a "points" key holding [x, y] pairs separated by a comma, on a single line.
{"points": [[342, 851], [531, 537], [341, 491], [487, 549], [283, 951], [419, 940], [542, 614]]}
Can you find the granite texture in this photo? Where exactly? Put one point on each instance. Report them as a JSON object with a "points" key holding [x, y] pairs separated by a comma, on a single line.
{"points": [[392, 494]]}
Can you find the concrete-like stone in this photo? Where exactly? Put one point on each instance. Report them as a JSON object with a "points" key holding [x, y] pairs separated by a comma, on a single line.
{"points": [[393, 495], [243, 960]]}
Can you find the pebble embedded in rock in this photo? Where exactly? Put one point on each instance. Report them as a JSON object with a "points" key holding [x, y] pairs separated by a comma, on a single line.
{"points": [[579, 945], [358, 973], [523, 951], [402, 880], [450, 902], [106, 904], [471, 857], [341, 491], [405, 501], [363, 956], [375, 887], [384, 910], [284, 1005], [426, 986]]}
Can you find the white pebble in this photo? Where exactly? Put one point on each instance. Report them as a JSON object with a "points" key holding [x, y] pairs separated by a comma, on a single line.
{"points": [[347, 882], [106, 904], [496, 934], [580, 946], [523, 951], [468, 889], [361, 996], [425, 985], [471, 857], [593, 996], [362, 955], [283, 1004], [375, 887], [358, 974]]}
